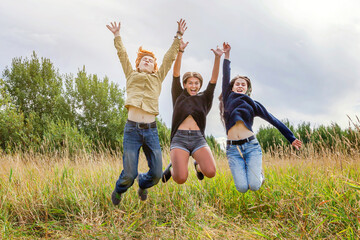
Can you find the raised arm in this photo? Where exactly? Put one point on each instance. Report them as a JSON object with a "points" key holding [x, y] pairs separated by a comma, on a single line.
{"points": [[121, 51], [227, 48], [171, 54], [215, 72], [226, 70], [176, 88], [177, 64], [114, 28]]}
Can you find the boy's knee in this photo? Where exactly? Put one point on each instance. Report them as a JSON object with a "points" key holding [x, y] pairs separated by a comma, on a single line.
{"points": [[127, 179]]}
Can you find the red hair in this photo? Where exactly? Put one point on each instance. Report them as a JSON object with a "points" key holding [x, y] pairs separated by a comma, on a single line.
{"points": [[142, 53]]}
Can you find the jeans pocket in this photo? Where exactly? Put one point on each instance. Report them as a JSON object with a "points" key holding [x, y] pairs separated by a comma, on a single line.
{"points": [[129, 129], [254, 142]]}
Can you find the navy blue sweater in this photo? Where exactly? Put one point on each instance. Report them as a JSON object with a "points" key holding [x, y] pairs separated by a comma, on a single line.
{"points": [[197, 106], [240, 107]]}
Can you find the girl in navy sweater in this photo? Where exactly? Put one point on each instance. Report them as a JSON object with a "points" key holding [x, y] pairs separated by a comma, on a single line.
{"points": [[237, 112], [189, 120]]}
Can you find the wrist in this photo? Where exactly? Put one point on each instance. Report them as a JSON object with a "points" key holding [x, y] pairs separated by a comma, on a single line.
{"points": [[181, 50]]}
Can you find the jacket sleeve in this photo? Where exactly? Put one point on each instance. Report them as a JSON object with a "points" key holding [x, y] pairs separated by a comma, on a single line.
{"points": [[264, 114], [123, 57], [226, 79], [168, 59]]}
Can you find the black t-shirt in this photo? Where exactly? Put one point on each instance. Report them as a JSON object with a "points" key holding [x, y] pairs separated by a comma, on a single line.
{"points": [[197, 106]]}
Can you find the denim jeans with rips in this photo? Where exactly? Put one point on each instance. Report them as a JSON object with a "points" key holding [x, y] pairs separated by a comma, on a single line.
{"points": [[136, 137], [245, 162]]}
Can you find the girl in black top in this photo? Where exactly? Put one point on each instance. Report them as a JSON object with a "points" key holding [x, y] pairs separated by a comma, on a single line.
{"points": [[189, 120]]}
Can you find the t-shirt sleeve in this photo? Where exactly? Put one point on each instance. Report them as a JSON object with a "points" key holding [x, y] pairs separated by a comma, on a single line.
{"points": [[176, 89], [209, 92]]}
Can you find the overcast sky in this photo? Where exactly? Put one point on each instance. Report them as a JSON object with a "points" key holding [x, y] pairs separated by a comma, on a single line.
{"points": [[303, 57]]}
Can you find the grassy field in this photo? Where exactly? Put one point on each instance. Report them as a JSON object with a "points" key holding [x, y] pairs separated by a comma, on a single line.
{"points": [[54, 197]]}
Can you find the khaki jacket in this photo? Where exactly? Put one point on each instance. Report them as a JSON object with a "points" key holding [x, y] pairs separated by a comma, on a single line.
{"points": [[143, 89]]}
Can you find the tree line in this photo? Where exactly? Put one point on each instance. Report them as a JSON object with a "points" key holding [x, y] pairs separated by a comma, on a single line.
{"points": [[44, 111], [321, 139]]}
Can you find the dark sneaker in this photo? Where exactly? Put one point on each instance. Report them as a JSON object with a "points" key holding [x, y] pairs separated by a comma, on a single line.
{"points": [[199, 174], [115, 198], [142, 194], [166, 175]]}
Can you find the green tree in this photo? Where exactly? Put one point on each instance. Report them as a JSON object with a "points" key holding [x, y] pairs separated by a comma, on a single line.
{"points": [[15, 131], [98, 106], [36, 88]]}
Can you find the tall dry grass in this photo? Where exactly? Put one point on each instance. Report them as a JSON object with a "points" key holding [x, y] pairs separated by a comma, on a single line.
{"points": [[306, 195]]}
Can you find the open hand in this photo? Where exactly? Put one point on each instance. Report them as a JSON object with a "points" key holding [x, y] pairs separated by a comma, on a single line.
{"points": [[114, 28], [183, 45], [218, 52], [181, 26], [297, 144]]}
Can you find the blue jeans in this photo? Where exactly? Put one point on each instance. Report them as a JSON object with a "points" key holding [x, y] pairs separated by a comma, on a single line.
{"points": [[136, 137], [245, 162]]}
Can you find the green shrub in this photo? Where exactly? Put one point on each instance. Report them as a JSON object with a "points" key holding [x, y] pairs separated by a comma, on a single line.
{"points": [[62, 135]]}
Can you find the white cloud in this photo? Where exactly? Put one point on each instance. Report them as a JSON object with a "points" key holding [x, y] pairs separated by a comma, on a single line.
{"points": [[302, 56]]}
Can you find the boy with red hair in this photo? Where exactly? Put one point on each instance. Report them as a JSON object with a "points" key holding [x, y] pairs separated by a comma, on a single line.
{"points": [[143, 87]]}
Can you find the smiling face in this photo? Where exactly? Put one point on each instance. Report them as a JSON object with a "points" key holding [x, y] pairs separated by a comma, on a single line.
{"points": [[192, 85], [146, 64], [240, 86]]}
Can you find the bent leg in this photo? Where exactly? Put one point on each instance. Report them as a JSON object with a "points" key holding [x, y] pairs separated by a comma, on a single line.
{"points": [[179, 160], [132, 143], [254, 169], [152, 151], [253, 157], [205, 159]]}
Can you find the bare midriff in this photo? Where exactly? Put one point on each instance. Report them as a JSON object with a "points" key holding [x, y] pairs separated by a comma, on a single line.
{"points": [[138, 115], [189, 124], [239, 131]]}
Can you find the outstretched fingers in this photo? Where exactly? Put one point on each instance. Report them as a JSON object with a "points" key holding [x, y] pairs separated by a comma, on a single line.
{"points": [[218, 51], [297, 144], [183, 45], [181, 26], [114, 27]]}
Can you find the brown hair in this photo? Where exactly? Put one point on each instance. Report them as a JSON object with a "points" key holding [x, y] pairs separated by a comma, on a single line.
{"points": [[142, 53], [188, 75], [248, 92]]}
